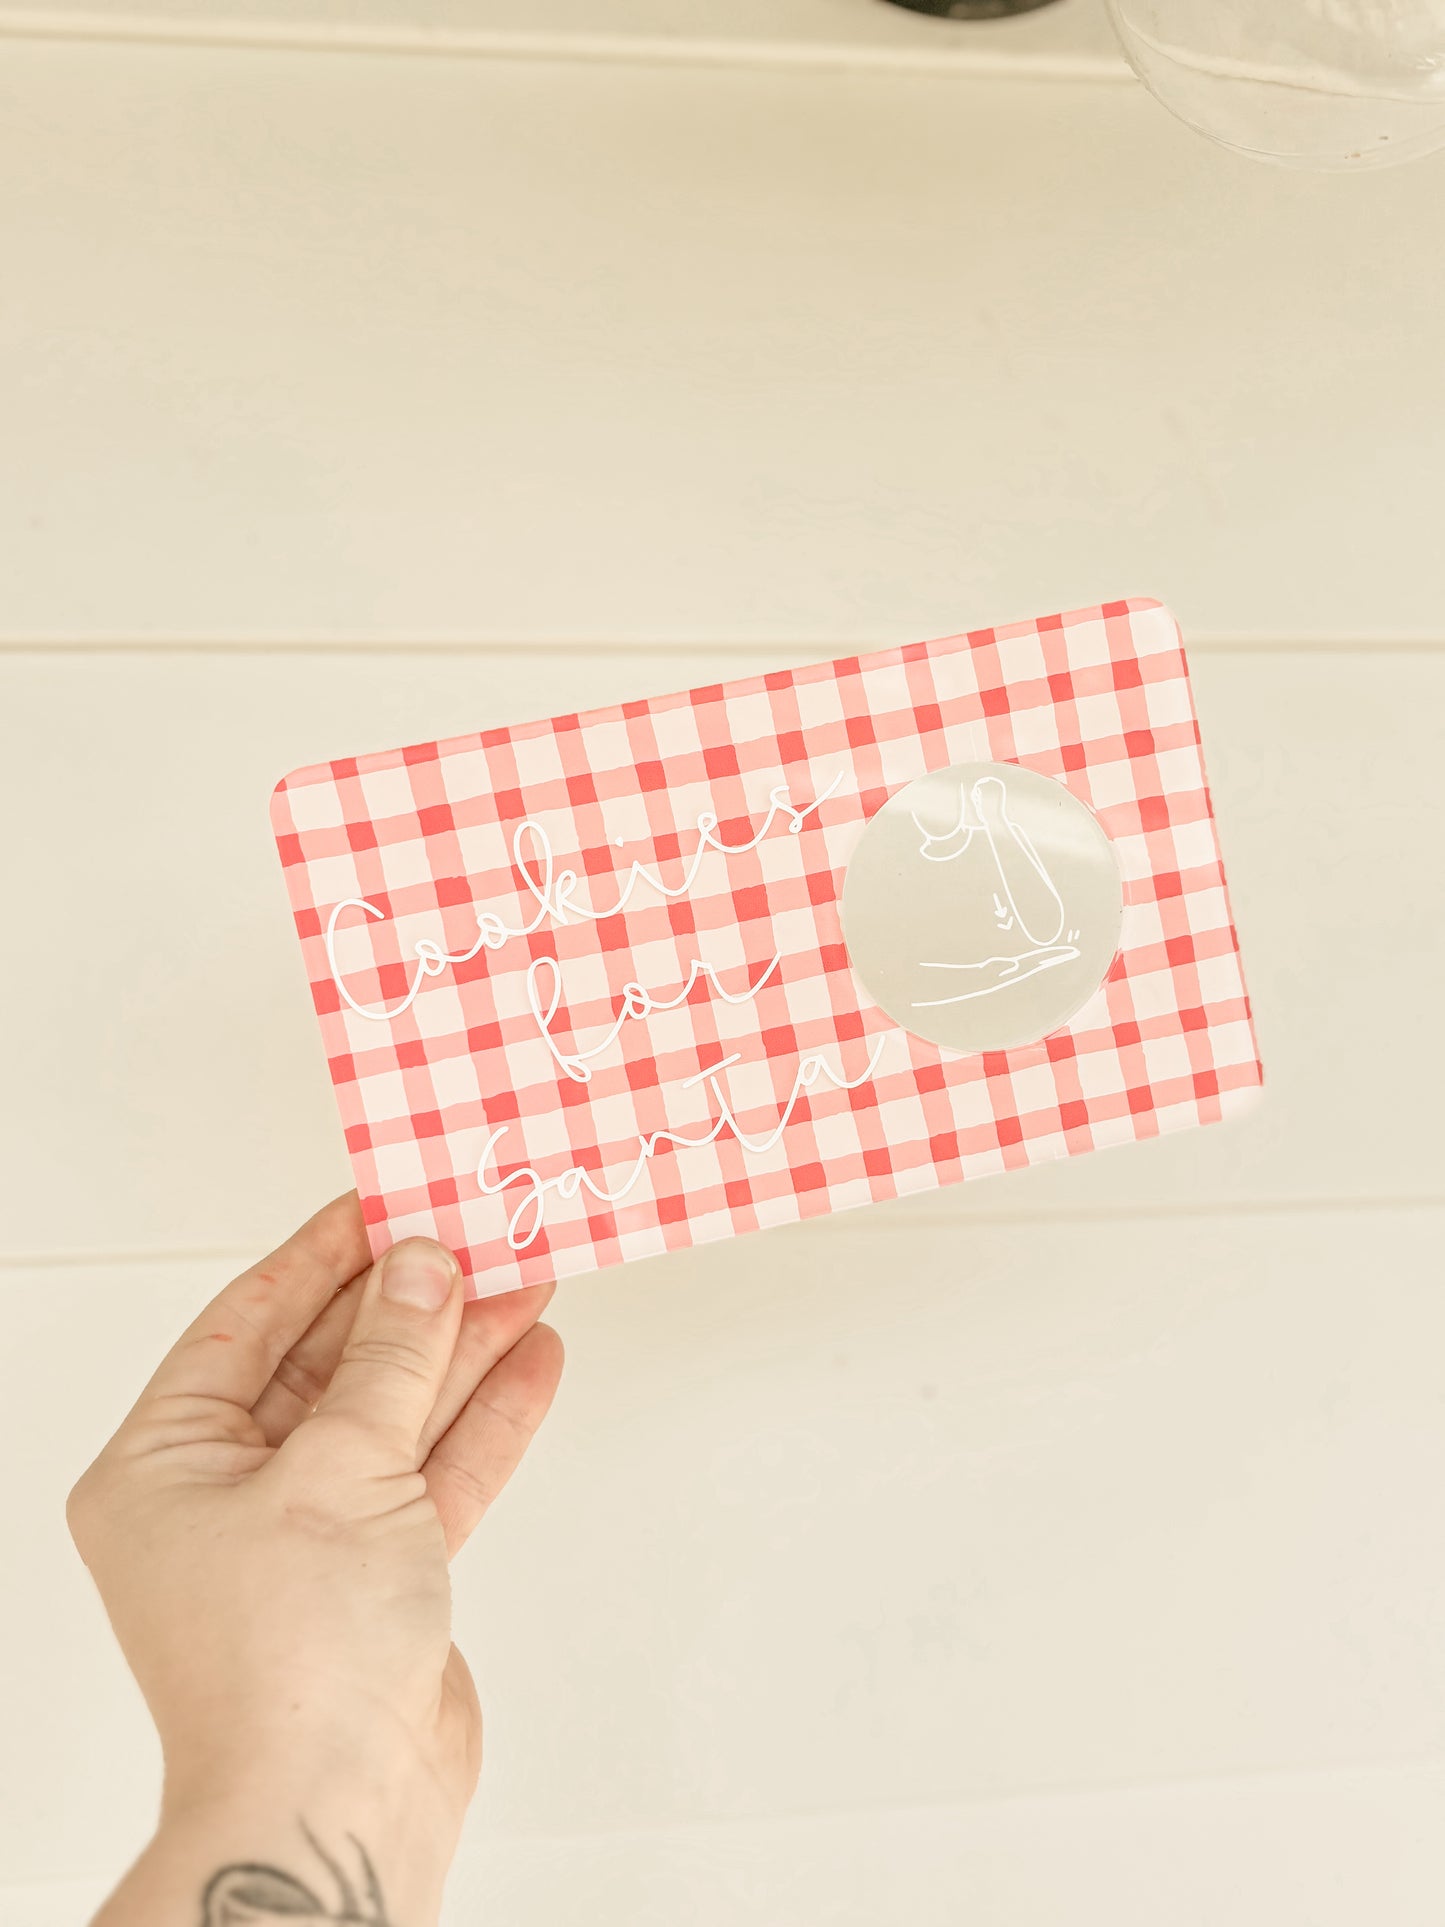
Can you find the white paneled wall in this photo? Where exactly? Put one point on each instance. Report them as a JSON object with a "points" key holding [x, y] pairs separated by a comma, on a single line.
{"points": [[356, 347], [1070, 40], [1068, 1552]]}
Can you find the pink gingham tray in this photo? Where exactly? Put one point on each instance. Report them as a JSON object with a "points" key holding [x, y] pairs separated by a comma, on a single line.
{"points": [[503, 1089]]}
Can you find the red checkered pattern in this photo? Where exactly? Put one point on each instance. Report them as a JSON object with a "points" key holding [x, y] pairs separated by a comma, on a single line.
{"points": [[1098, 699]]}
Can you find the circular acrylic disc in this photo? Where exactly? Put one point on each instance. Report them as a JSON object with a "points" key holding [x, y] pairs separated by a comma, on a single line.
{"points": [[981, 908]]}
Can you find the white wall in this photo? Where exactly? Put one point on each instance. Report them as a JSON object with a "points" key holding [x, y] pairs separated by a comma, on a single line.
{"points": [[1070, 1551]]}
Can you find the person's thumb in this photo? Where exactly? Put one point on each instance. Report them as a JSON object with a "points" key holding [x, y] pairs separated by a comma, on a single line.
{"points": [[391, 1371]]}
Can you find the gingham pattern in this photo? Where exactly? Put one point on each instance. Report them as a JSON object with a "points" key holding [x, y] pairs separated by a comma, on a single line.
{"points": [[1098, 699]]}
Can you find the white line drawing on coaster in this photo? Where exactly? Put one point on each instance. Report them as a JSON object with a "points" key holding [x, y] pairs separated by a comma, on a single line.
{"points": [[978, 879], [1011, 850]]}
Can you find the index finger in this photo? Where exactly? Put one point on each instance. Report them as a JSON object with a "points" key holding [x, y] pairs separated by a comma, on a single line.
{"points": [[232, 1349]]}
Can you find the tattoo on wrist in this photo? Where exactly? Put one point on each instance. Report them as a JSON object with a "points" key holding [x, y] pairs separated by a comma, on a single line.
{"points": [[252, 1895]]}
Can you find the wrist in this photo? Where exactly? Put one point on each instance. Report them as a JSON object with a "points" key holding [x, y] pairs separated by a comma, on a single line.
{"points": [[370, 1849], [390, 1792], [300, 1744]]}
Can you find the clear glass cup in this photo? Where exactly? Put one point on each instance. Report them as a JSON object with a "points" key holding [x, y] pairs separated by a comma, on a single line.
{"points": [[1306, 83]]}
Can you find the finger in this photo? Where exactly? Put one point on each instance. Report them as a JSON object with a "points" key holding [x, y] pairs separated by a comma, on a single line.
{"points": [[396, 1355], [490, 1328], [235, 1345], [305, 1372], [481, 1449]]}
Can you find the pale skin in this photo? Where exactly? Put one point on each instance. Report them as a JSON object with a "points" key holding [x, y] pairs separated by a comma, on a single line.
{"points": [[270, 1531]]}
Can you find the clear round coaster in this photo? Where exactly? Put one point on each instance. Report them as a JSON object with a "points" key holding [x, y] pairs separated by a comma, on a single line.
{"points": [[981, 908]]}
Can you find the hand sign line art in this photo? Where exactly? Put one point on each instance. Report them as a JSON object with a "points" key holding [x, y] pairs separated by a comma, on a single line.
{"points": [[952, 843], [1021, 872]]}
